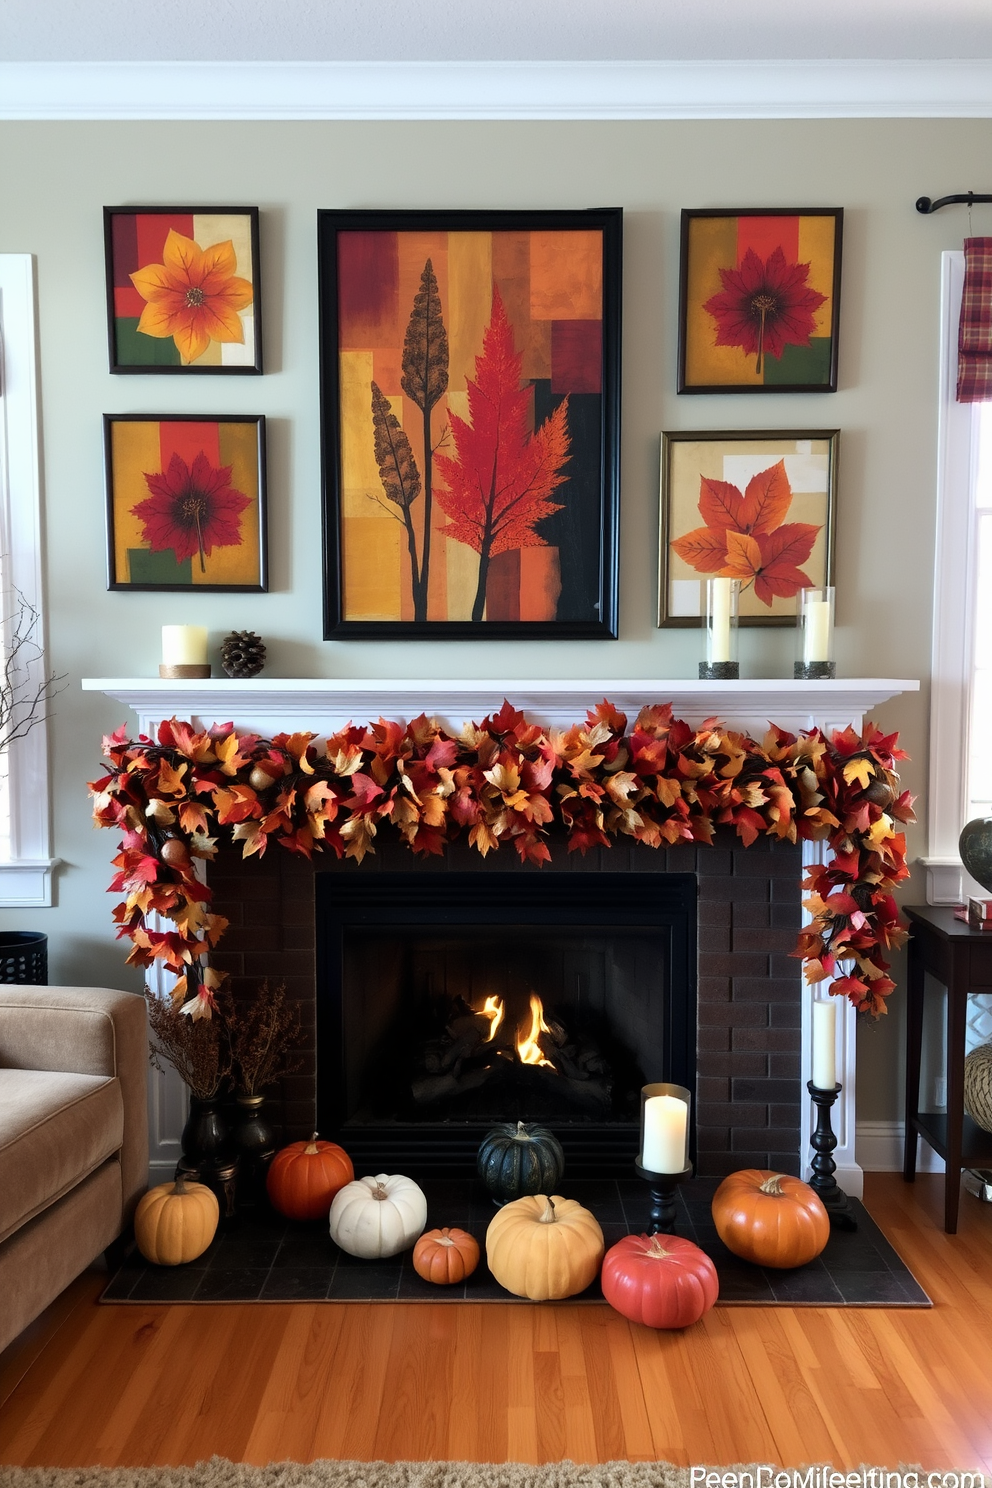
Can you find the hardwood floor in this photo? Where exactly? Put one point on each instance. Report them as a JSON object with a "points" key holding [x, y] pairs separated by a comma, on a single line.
{"points": [[133, 1385]]}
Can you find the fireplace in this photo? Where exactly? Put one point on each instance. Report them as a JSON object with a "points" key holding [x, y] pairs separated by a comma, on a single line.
{"points": [[450, 1001]]}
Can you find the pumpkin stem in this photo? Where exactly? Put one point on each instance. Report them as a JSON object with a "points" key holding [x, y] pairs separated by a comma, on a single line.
{"points": [[180, 1186], [444, 1239], [772, 1185], [549, 1216], [657, 1247], [379, 1192], [311, 1148], [521, 1135]]}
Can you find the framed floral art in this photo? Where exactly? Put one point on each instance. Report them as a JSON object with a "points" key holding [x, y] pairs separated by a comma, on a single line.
{"points": [[470, 394], [186, 501], [758, 507], [759, 300], [183, 289]]}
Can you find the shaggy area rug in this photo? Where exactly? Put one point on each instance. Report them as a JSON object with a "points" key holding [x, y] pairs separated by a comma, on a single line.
{"points": [[219, 1473]]}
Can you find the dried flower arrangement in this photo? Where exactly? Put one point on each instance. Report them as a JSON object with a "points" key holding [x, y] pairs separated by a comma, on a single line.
{"points": [[195, 1047], [245, 1042], [260, 1031]]}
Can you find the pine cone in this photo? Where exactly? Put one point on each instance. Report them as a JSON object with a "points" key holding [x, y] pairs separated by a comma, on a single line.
{"points": [[242, 654]]}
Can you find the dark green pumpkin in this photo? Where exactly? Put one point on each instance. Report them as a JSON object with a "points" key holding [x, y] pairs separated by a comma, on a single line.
{"points": [[518, 1160]]}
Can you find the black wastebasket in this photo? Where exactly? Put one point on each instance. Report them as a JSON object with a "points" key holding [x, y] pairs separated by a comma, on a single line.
{"points": [[24, 957]]}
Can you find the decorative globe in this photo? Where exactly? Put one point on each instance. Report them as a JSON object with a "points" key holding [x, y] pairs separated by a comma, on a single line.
{"points": [[975, 847], [978, 1086]]}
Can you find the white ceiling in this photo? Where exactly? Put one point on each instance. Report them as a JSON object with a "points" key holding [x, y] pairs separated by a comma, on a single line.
{"points": [[473, 30]]}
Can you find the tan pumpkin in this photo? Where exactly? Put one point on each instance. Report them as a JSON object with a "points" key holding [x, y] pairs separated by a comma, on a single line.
{"points": [[542, 1248], [304, 1177], [770, 1218], [175, 1222], [445, 1256]]}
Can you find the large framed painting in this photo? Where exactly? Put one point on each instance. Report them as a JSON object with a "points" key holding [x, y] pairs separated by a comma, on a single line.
{"points": [[470, 393], [183, 289], [758, 507], [186, 501], [759, 300]]}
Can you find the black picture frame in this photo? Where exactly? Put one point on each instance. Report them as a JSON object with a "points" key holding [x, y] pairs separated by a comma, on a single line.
{"points": [[126, 244], [364, 271], [127, 456], [714, 242]]}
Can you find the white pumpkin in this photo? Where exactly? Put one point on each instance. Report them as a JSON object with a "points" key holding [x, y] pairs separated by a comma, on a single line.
{"points": [[378, 1217]]}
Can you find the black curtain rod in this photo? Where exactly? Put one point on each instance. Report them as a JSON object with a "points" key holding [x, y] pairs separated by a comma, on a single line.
{"points": [[969, 198]]}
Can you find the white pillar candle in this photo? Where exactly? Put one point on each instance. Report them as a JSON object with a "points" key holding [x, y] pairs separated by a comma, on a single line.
{"points": [[719, 627], [816, 636], [184, 645], [665, 1119], [824, 1043]]}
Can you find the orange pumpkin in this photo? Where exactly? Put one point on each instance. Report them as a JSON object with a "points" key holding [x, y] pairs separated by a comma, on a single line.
{"points": [[304, 1177], [445, 1256], [770, 1218]]}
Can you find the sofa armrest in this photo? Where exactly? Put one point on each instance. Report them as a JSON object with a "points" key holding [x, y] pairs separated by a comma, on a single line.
{"points": [[86, 1031]]}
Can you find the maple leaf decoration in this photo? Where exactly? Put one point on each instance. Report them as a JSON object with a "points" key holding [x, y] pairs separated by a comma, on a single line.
{"points": [[498, 486], [192, 509], [746, 538], [765, 306]]}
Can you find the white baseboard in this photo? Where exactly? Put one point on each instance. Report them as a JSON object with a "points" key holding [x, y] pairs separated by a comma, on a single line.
{"points": [[880, 1148]]}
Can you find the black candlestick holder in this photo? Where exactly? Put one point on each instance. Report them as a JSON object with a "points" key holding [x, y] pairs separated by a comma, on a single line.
{"points": [[823, 1141], [662, 1188]]}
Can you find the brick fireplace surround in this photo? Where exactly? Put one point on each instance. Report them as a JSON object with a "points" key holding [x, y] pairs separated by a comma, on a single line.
{"points": [[753, 1033], [748, 986]]}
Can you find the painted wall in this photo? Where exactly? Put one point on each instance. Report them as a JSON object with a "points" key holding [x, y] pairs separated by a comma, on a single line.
{"points": [[54, 180]]}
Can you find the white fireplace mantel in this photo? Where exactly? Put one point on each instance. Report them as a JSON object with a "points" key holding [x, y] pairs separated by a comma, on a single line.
{"points": [[268, 705]]}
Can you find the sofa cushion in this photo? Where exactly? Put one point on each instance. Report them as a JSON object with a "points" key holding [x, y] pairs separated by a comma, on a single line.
{"points": [[54, 1130]]}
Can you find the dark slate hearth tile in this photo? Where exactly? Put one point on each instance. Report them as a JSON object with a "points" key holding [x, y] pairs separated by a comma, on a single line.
{"points": [[304, 1248], [743, 1283], [245, 1248], [449, 1202], [852, 1251], [234, 1285], [365, 1283], [812, 1283], [614, 1232], [413, 1288], [308, 1284], [167, 1284], [603, 1198], [121, 1283], [879, 1287]]}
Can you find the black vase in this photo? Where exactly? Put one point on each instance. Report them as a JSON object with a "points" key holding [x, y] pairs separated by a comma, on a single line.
{"points": [[975, 846], [255, 1144], [206, 1137]]}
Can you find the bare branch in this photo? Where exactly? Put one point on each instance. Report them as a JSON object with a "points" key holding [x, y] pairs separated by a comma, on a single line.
{"points": [[24, 696]]}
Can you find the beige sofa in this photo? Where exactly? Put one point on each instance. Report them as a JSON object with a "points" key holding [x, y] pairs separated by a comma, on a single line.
{"points": [[73, 1136]]}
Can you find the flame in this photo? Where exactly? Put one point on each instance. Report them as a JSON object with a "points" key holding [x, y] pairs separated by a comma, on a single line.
{"points": [[528, 1049], [493, 1009]]}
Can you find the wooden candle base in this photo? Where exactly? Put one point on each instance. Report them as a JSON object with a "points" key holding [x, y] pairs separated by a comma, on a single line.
{"points": [[184, 670]]}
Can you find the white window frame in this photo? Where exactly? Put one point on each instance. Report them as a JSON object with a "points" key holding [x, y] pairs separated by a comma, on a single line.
{"points": [[26, 877], [953, 611]]}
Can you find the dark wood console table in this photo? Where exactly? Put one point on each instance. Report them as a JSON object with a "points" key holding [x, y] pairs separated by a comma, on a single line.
{"points": [[961, 959]]}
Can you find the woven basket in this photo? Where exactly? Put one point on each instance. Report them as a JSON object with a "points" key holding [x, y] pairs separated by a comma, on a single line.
{"points": [[978, 1086]]}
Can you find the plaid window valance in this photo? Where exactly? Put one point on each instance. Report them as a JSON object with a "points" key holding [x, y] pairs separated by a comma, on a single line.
{"points": [[975, 326]]}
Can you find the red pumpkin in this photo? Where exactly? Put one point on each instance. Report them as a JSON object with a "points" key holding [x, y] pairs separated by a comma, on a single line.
{"points": [[659, 1280], [770, 1219], [304, 1177], [445, 1256]]}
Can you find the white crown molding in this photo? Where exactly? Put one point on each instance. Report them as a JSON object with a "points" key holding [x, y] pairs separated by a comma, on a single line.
{"points": [[805, 89]]}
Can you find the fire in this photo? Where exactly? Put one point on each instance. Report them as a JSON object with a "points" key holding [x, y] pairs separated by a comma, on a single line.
{"points": [[528, 1049], [493, 1009]]}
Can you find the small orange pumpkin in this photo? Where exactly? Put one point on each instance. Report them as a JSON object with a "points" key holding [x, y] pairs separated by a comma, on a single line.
{"points": [[304, 1177], [770, 1218], [445, 1256]]}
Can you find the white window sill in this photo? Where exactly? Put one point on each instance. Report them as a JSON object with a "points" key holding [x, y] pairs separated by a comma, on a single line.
{"points": [[26, 883]]}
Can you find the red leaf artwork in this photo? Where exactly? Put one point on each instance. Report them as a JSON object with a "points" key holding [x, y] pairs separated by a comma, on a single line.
{"points": [[497, 487], [191, 509], [765, 306], [747, 538]]}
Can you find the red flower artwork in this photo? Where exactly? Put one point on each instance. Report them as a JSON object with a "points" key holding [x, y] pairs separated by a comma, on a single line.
{"points": [[765, 306], [746, 537], [192, 509]]}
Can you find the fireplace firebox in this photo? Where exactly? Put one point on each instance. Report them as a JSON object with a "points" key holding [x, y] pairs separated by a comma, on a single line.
{"points": [[447, 1002]]}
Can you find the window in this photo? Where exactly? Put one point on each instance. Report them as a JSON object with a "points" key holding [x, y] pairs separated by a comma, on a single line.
{"points": [[25, 861]]}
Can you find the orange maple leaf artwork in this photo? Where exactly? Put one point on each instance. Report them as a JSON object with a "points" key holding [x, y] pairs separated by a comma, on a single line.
{"points": [[498, 485], [746, 536], [193, 296]]}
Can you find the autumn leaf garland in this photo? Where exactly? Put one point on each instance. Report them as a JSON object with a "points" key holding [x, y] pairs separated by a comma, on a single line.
{"points": [[505, 780]]}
